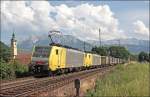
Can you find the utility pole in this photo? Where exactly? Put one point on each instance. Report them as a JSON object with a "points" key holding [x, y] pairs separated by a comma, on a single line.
{"points": [[84, 46], [119, 42], [100, 37]]}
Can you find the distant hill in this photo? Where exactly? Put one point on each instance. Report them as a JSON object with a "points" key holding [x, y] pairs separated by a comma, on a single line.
{"points": [[132, 44], [3, 46], [67, 40]]}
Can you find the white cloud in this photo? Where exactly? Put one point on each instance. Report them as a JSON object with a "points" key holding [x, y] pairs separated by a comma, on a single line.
{"points": [[38, 17], [140, 28]]}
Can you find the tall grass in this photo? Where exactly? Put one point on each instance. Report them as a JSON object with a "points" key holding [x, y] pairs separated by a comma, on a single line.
{"points": [[130, 80]]}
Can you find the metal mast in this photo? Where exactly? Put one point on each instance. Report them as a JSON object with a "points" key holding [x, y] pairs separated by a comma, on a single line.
{"points": [[119, 42], [84, 46], [100, 37]]}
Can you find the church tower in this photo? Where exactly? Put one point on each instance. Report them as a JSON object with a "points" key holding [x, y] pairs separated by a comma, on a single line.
{"points": [[13, 47]]}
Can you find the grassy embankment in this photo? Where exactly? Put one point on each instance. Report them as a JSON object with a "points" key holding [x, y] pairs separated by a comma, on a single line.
{"points": [[130, 80]]}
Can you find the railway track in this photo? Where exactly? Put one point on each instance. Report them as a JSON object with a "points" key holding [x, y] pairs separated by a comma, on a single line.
{"points": [[15, 84], [15, 80], [19, 80], [34, 87]]}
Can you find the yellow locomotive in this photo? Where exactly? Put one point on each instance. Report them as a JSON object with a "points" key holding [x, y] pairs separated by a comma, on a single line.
{"points": [[51, 59]]}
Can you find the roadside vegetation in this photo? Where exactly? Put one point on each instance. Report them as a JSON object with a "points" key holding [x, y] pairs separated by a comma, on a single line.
{"points": [[10, 69], [121, 52], [114, 51], [125, 80]]}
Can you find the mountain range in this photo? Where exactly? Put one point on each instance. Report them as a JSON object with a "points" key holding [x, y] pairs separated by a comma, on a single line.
{"points": [[66, 40], [132, 44]]}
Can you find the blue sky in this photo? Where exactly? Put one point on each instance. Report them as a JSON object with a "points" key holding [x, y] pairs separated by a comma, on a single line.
{"points": [[122, 10], [130, 18], [118, 7]]}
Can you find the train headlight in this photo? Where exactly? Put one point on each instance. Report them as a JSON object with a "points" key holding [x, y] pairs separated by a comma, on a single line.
{"points": [[46, 63], [32, 62]]}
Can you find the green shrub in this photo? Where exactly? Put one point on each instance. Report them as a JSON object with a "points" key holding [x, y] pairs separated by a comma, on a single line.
{"points": [[12, 70], [6, 71], [20, 69]]}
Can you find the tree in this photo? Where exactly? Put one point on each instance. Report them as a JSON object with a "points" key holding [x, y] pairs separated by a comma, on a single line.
{"points": [[7, 70], [134, 57], [119, 52], [114, 51], [4, 52], [143, 56], [148, 57], [12, 70], [103, 51]]}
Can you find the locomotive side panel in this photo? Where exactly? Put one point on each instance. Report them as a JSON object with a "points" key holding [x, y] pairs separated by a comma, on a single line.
{"points": [[117, 60], [110, 60], [62, 57], [113, 60], [96, 60], [103, 60], [74, 58], [107, 60]]}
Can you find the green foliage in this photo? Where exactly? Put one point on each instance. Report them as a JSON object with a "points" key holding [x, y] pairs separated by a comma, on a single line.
{"points": [[20, 69], [134, 57], [114, 51], [12, 70], [148, 57], [143, 57], [119, 52], [130, 80], [103, 51], [4, 52], [6, 70]]}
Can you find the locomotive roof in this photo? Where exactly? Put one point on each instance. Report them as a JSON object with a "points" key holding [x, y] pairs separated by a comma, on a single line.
{"points": [[65, 46], [59, 45]]}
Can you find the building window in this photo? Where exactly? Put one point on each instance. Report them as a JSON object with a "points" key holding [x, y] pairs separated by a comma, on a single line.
{"points": [[56, 51]]}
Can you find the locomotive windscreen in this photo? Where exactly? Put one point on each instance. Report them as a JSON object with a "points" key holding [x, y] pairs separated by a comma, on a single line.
{"points": [[42, 52]]}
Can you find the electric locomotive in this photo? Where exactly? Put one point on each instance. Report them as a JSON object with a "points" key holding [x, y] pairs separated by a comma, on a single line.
{"points": [[58, 59]]}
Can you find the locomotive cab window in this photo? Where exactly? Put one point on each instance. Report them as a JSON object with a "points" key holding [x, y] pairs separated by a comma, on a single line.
{"points": [[56, 51], [41, 52]]}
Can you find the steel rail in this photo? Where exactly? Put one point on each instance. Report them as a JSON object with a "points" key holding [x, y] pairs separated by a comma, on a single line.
{"points": [[62, 82], [30, 88]]}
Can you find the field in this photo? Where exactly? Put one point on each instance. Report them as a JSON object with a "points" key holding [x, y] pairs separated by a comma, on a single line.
{"points": [[129, 80]]}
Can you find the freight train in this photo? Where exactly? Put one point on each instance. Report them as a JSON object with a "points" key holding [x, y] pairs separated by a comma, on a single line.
{"points": [[57, 59]]}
